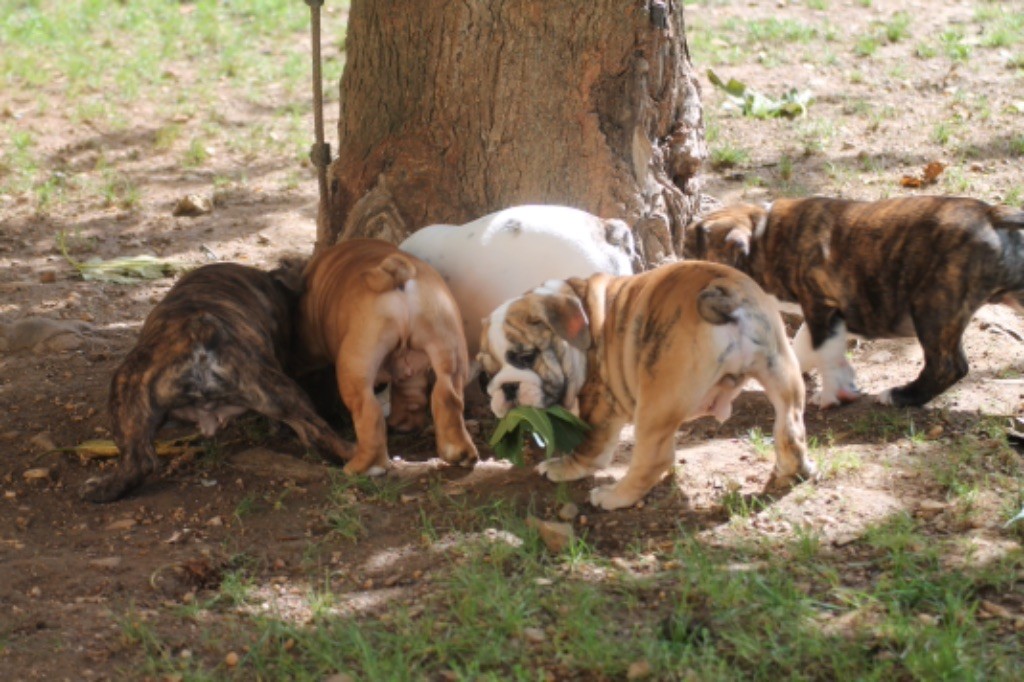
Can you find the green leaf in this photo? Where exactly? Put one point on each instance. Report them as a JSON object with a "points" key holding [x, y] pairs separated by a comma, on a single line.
{"points": [[126, 270], [750, 102], [555, 429]]}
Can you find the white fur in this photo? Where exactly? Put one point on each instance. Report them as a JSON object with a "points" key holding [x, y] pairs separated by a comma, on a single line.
{"points": [[505, 254], [838, 378], [530, 390]]}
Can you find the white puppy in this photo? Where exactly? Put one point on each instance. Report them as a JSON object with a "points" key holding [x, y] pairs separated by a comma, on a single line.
{"points": [[505, 254]]}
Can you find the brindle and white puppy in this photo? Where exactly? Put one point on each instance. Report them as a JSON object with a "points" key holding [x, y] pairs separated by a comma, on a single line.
{"points": [[655, 349], [213, 348], [382, 316], [893, 268]]}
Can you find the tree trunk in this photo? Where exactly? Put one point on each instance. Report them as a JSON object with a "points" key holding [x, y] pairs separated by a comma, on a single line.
{"points": [[452, 110]]}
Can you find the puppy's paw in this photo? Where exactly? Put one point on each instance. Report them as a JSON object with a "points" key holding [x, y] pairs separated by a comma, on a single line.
{"points": [[377, 468], [101, 489], [885, 397], [565, 468], [611, 497], [836, 397], [838, 386], [781, 482], [463, 454]]}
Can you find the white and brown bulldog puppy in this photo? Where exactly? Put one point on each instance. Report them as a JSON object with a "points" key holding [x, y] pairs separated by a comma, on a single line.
{"points": [[917, 266], [497, 257], [655, 349], [382, 316]]}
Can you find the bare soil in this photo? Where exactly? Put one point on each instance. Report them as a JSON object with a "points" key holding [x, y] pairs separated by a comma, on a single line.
{"points": [[74, 575]]}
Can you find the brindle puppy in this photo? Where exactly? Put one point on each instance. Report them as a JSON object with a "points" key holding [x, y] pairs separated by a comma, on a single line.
{"points": [[899, 267], [212, 349]]}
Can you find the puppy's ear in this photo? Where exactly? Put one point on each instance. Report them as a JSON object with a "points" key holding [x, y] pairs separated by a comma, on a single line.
{"points": [[566, 317], [695, 243], [288, 274], [737, 245]]}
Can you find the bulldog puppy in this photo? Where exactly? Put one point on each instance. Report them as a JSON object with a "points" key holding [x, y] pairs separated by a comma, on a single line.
{"points": [[213, 348], [893, 268], [382, 316], [497, 257], [655, 349]]}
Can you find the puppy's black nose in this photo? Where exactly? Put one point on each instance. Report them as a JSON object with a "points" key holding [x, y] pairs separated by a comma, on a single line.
{"points": [[510, 391]]}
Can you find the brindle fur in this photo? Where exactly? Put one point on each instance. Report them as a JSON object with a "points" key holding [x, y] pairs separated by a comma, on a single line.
{"points": [[214, 347], [898, 267]]}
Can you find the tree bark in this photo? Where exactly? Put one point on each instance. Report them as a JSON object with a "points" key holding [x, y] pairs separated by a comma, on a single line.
{"points": [[452, 110]]}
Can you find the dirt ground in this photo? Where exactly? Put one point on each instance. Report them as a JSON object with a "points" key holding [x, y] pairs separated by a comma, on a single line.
{"points": [[72, 572]]}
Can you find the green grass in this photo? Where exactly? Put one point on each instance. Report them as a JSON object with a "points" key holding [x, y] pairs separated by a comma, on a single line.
{"points": [[174, 64], [897, 28], [729, 156], [745, 612]]}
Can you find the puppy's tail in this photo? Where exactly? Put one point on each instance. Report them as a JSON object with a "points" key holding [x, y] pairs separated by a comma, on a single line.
{"points": [[392, 273], [717, 304]]}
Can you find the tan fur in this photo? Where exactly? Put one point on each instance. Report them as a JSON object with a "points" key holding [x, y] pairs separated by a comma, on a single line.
{"points": [[378, 315], [669, 346]]}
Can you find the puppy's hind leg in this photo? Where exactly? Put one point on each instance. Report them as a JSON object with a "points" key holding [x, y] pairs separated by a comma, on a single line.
{"points": [[135, 421], [785, 389], [276, 396], [454, 444], [944, 362]]}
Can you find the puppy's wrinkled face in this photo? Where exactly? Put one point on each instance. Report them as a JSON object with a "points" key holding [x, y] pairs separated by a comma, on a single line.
{"points": [[533, 349], [724, 236]]}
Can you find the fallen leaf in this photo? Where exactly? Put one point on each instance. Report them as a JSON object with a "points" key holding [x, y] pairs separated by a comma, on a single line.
{"points": [[929, 175]]}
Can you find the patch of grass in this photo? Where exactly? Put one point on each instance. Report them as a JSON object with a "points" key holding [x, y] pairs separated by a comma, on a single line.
{"points": [[926, 51], [775, 31], [980, 457], [166, 136], [1017, 145], [838, 462], [118, 190], [507, 611], [815, 135], [729, 156], [736, 504], [245, 507], [943, 132], [764, 444], [956, 180], [196, 154], [953, 45], [1014, 196], [867, 44], [786, 168], [898, 27], [885, 425]]}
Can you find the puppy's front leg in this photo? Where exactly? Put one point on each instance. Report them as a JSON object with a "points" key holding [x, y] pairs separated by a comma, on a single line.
{"points": [[594, 453], [825, 349], [652, 458], [278, 397]]}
